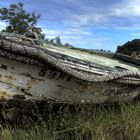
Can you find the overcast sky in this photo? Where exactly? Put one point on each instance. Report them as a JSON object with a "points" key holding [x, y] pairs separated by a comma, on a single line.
{"points": [[96, 24]]}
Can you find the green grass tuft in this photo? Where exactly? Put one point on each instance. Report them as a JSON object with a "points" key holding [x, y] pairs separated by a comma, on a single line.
{"points": [[90, 123]]}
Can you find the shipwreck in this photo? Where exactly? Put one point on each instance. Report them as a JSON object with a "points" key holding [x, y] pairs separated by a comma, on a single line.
{"points": [[31, 72]]}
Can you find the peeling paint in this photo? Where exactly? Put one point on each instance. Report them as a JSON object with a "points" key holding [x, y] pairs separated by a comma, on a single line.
{"points": [[24, 81], [11, 77], [4, 94]]}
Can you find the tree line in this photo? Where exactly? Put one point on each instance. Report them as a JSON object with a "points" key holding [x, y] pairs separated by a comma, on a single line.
{"points": [[57, 42]]}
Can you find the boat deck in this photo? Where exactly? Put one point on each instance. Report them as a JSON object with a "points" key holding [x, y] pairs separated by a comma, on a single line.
{"points": [[113, 63]]}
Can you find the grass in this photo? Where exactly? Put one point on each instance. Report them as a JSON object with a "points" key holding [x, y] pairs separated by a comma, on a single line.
{"points": [[89, 123]]}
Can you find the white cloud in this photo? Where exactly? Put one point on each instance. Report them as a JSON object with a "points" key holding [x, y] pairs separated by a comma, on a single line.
{"points": [[127, 9], [78, 37], [136, 34], [122, 15], [75, 20], [2, 25], [66, 33], [87, 19], [83, 18], [50, 32]]}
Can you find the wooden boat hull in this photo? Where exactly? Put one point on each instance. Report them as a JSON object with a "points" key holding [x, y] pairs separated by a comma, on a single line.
{"points": [[30, 82]]}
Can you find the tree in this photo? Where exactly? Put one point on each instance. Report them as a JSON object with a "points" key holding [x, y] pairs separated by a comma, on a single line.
{"points": [[67, 45], [46, 40], [19, 20], [58, 40], [130, 47], [52, 41]]}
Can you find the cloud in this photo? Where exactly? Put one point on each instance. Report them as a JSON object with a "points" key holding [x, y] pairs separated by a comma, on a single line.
{"points": [[136, 34], [79, 37], [81, 13], [90, 23], [127, 9], [2, 25], [86, 20], [120, 14], [70, 32], [95, 14]]}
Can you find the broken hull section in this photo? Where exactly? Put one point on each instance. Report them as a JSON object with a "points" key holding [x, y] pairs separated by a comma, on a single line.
{"points": [[31, 83]]}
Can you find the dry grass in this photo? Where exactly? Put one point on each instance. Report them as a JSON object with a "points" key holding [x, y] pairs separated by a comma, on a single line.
{"points": [[90, 123]]}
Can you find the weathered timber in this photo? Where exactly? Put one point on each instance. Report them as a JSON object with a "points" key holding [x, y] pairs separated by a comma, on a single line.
{"points": [[127, 58], [29, 72]]}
